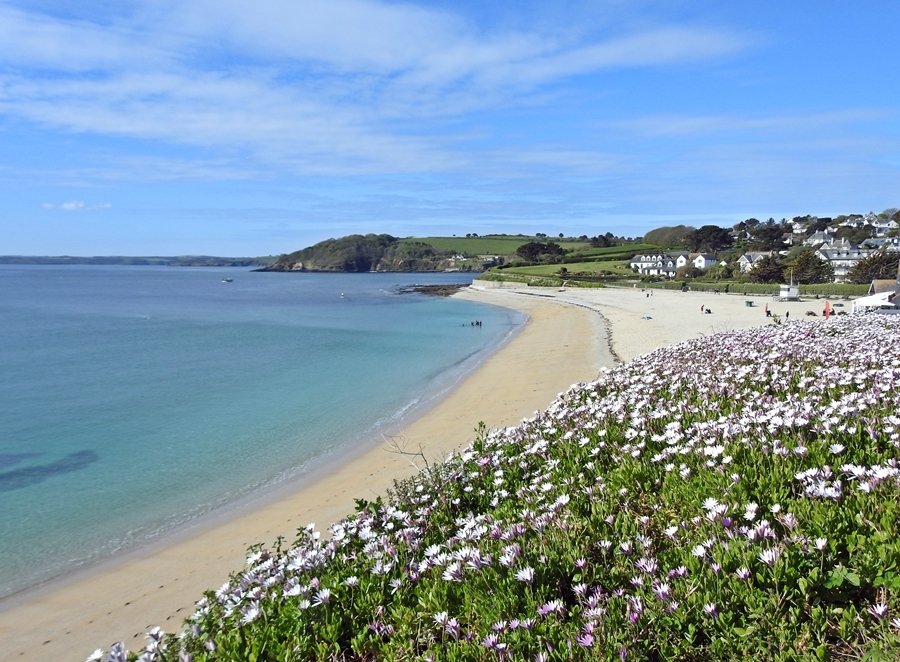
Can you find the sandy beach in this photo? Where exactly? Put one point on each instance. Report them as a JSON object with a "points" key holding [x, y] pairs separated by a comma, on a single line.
{"points": [[567, 340]]}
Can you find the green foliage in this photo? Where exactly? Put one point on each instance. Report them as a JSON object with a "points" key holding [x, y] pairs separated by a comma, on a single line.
{"points": [[352, 253], [668, 236], [502, 245], [805, 266], [538, 251], [881, 264], [767, 236], [767, 270], [708, 239], [736, 496]]}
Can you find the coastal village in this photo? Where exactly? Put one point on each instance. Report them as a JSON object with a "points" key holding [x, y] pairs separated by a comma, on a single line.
{"points": [[830, 244]]}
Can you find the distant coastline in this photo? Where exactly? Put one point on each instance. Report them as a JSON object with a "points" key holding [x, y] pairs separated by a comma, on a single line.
{"points": [[154, 261]]}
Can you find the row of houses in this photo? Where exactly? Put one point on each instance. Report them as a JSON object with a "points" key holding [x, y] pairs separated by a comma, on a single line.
{"points": [[881, 228], [840, 254], [666, 264]]}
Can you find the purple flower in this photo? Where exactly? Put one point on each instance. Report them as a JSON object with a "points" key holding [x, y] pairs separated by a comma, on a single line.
{"points": [[492, 642], [554, 606], [879, 610], [586, 640]]}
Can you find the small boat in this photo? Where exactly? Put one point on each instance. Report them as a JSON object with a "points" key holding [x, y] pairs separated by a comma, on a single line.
{"points": [[227, 280]]}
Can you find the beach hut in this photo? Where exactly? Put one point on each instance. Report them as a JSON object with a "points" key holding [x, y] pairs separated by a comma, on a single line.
{"points": [[788, 293]]}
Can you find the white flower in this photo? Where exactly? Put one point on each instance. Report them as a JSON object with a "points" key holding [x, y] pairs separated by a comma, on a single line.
{"points": [[770, 556], [525, 575]]}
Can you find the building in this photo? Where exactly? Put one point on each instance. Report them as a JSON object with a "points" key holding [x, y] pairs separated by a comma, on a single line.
{"points": [[842, 257], [655, 264], [749, 260]]}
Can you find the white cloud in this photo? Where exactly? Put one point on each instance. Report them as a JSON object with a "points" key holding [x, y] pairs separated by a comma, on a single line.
{"points": [[688, 125], [76, 205], [66, 46], [347, 86]]}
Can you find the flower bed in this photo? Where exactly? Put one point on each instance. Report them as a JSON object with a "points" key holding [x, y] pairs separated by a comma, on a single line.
{"points": [[737, 495]]}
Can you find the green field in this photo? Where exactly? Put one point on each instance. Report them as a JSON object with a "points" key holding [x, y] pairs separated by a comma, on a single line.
{"points": [[618, 267], [491, 244]]}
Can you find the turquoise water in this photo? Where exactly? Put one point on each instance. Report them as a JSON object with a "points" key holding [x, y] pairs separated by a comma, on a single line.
{"points": [[137, 399]]}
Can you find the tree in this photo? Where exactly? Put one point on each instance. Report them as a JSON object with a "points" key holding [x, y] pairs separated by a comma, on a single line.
{"points": [[687, 272], [536, 251], [881, 264], [668, 237], [767, 270], [807, 267], [708, 239], [767, 236], [855, 235], [721, 272]]}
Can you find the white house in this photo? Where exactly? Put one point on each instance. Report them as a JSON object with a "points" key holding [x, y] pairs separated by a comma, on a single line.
{"points": [[842, 257], [704, 261], [654, 264], [825, 236], [748, 260]]}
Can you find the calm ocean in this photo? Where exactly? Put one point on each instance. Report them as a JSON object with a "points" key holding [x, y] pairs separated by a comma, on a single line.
{"points": [[134, 400]]}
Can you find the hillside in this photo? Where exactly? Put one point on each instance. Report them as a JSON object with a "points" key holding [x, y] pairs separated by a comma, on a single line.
{"points": [[373, 252], [733, 496], [382, 252]]}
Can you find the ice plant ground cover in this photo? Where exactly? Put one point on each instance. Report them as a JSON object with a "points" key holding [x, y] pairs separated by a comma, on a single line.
{"points": [[737, 495]]}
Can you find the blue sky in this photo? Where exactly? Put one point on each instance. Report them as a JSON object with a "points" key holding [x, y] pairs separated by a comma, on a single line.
{"points": [[228, 127]]}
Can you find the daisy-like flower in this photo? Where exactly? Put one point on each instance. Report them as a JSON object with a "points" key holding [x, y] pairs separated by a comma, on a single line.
{"points": [[551, 607], [322, 597], [250, 613], [586, 640], [879, 610], [770, 556], [742, 573], [525, 575], [711, 610]]}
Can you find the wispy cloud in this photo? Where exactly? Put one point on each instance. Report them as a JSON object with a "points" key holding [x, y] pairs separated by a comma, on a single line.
{"points": [[705, 125], [76, 205], [343, 87]]}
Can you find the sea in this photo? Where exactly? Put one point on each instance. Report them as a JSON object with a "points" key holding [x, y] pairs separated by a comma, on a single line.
{"points": [[136, 401]]}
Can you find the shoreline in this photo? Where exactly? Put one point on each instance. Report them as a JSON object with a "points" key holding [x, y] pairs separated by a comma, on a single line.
{"points": [[158, 583]]}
